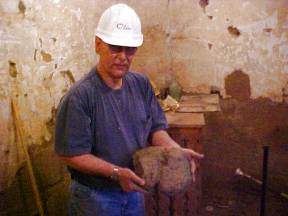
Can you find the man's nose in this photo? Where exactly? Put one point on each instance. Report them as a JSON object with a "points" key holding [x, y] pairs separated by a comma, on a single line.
{"points": [[122, 53]]}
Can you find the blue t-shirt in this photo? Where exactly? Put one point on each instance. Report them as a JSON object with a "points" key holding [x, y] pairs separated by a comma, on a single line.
{"points": [[110, 124]]}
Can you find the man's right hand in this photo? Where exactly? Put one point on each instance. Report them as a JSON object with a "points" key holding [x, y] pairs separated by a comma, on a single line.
{"points": [[129, 180]]}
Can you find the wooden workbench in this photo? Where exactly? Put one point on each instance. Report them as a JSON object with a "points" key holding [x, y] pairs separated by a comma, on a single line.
{"points": [[185, 129]]}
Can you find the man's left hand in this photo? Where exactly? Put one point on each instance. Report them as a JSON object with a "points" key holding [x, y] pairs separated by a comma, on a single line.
{"points": [[191, 156]]}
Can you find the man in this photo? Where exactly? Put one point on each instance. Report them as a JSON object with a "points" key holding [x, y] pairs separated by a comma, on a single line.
{"points": [[105, 118]]}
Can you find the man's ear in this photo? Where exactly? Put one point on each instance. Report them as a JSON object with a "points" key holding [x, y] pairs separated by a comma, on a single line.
{"points": [[97, 44]]}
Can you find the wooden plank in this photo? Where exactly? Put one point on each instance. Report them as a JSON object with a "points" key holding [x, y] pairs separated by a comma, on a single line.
{"points": [[199, 103], [203, 98], [185, 120]]}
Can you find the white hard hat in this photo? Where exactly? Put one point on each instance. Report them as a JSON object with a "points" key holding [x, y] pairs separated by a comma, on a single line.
{"points": [[120, 25]]}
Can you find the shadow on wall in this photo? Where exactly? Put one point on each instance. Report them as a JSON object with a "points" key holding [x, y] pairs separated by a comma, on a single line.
{"points": [[237, 85]]}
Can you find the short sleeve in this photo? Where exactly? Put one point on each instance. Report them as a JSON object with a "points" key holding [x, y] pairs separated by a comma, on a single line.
{"points": [[159, 121], [72, 132]]}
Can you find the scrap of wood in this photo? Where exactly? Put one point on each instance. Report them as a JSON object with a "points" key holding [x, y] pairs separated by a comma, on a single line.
{"points": [[199, 103], [186, 120]]}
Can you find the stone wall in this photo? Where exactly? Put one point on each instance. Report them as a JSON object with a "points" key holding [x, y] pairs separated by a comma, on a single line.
{"points": [[45, 46]]}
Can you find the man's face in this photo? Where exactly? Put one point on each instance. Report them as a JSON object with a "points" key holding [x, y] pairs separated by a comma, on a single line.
{"points": [[114, 60]]}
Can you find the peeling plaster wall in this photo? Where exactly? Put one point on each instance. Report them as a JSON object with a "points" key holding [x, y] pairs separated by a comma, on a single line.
{"points": [[45, 46], [205, 50], [40, 40]]}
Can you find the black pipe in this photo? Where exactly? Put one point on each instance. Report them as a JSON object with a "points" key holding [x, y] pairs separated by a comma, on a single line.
{"points": [[264, 179], [171, 208]]}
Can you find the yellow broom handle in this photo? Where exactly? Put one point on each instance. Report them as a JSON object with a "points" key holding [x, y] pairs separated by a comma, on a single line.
{"points": [[27, 157]]}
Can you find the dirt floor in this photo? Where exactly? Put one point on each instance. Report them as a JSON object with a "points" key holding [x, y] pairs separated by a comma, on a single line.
{"points": [[240, 198], [234, 138]]}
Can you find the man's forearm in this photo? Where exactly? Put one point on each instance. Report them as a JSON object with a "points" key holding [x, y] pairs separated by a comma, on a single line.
{"points": [[89, 164], [92, 165], [162, 138]]}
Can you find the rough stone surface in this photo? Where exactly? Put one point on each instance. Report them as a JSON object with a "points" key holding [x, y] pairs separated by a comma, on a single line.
{"points": [[167, 169], [147, 163]]}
